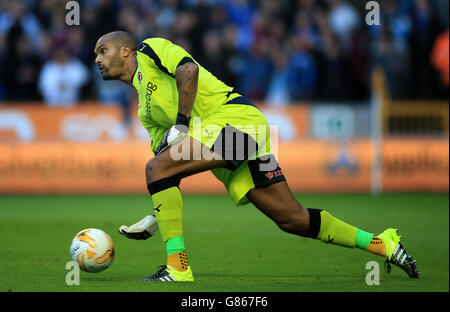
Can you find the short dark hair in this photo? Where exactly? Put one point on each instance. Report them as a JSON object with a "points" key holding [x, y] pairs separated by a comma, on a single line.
{"points": [[122, 38]]}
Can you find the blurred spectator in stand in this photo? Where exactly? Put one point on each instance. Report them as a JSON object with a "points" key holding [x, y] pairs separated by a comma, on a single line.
{"points": [[76, 44], [331, 85], [278, 93], [423, 35], [345, 22], [398, 22], [17, 20], [217, 17], [212, 59], [22, 71], [3, 57], [43, 10], [258, 64], [130, 21], [440, 57], [440, 9], [185, 33], [193, 22], [305, 31], [394, 58], [45, 49], [62, 78], [233, 59], [241, 13], [258, 68], [20, 66], [343, 19], [166, 17], [330, 64], [303, 74], [310, 7], [106, 16]]}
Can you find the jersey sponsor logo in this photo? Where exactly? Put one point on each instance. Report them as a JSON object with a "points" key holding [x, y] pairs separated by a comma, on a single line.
{"points": [[148, 96]]}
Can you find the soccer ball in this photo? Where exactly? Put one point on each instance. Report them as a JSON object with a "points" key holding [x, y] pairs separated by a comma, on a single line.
{"points": [[93, 250]]}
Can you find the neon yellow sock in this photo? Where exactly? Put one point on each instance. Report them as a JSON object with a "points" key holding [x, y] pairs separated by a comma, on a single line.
{"points": [[335, 231], [168, 212]]}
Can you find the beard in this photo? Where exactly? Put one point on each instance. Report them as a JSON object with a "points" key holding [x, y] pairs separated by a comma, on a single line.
{"points": [[105, 74], [117, 63]]}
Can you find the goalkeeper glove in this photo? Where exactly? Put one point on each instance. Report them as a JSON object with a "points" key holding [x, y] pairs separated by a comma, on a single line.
{"points": [[175, 133], [141, 230]]}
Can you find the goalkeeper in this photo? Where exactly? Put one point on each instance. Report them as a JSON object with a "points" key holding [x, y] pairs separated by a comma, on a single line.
{"points": [[198, 123]]}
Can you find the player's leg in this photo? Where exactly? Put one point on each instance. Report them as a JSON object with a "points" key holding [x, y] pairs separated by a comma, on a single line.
{"points": [[163, 175], [261, 181], [277, 202]]}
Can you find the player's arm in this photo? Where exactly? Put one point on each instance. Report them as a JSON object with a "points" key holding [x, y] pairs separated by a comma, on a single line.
{"points": [[186, 76], [177, 63]]}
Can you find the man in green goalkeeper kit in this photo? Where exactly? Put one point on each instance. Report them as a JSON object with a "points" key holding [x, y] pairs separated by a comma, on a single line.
{"points": [[198, 123]]}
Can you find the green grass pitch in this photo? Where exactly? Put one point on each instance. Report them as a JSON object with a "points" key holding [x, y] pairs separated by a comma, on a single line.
{"points": [[230, 249]]}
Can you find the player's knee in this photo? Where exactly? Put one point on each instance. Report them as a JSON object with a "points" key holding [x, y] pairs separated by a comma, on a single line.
{"points": [[287, 226], [295, 224], [157, 169], [148, 169], [153, 170]]}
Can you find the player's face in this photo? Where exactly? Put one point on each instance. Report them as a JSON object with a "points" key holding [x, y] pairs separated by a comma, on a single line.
{"points": [[108, 60]]}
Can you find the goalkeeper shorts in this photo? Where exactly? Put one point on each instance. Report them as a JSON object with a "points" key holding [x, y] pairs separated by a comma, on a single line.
{"points": [[241, 135]]}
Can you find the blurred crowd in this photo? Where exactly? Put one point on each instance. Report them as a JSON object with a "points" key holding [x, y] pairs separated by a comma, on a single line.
{"points": [[275, 51]]}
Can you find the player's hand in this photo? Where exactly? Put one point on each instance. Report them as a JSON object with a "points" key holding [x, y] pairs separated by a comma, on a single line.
{"points": [[141, 230], [174, 134]]}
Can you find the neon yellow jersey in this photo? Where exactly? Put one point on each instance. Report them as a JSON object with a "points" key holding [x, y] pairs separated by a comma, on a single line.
{"points": [[155, 84]]}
